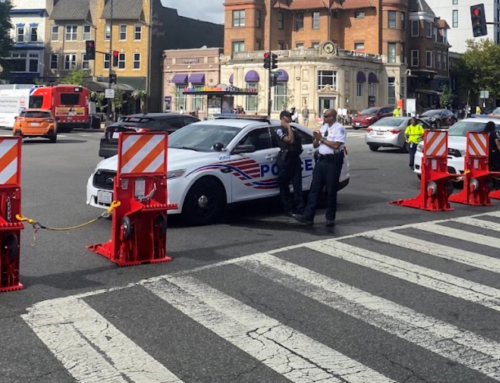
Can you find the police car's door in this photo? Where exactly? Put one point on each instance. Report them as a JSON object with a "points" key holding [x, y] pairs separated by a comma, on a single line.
{"points": [[307, 158], [254, 174]]}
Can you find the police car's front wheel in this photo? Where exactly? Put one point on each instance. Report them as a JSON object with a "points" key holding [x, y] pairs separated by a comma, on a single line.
{"points": [[204, 202]]}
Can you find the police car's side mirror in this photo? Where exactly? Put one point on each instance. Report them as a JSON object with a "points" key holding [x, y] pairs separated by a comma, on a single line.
{"points": [[243, 149], [218, 146]]}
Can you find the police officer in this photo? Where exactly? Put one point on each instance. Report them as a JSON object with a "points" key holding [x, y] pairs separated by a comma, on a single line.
{"points": [[494, 154], [289, 166], [414, 134], [330, 141]]}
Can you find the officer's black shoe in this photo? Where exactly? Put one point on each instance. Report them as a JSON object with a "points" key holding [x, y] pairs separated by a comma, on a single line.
{"points": [[330, 223], [289, 214], [302, 219]]}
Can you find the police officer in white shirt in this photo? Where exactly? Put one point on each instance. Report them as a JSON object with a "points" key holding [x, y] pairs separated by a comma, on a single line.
{"points": [[330, 141]]}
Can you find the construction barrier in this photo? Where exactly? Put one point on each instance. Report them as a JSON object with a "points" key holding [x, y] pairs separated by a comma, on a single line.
{"points": [[10, 200], [477, 177], [435, 184], [139, 222]]}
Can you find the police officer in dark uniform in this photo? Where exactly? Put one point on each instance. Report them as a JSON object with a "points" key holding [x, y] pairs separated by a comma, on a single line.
{"points": [[494, 154], [289, 165], [330, 141]]}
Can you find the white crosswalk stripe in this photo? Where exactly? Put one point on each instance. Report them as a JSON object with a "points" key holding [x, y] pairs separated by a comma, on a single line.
{"points": [[93, 349]]}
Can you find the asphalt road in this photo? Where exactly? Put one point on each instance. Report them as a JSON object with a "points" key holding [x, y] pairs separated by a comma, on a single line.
{"points": [[256, 297]]}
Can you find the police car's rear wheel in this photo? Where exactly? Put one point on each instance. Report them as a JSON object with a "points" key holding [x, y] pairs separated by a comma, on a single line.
{"points": [[204, 202]]}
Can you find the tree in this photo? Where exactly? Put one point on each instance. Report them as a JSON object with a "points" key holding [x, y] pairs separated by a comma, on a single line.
{"points": [[446, 99], [5, 39], [74, 77], [481, 61]]}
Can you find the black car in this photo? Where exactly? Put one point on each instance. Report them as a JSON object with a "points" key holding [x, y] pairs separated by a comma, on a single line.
{"points": [[438, 118], [156, 122]]}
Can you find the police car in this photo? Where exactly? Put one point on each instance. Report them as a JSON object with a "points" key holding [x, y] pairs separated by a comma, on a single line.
{"points": [[217, 162]]}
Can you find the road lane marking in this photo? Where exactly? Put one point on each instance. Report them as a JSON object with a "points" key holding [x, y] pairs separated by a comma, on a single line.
{"points": [[290, 353], [90, 347], [422, 276], [451, 342], [478, 223], [459, 234]]}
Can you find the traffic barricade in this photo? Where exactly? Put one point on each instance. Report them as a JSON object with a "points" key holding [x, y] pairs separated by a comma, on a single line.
{"points": [[10, 199], [435, 181], [139, 222], [477, 177]]}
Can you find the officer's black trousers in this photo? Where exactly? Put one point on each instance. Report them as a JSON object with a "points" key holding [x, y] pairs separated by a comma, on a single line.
{"points": [[326, 173], [290, 171]]}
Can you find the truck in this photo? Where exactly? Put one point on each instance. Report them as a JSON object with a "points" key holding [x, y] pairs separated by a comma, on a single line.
{"points": [[14, 98]]}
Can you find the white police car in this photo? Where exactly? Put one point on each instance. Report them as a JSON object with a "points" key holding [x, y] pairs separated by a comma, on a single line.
{"points": [[216, 162]]}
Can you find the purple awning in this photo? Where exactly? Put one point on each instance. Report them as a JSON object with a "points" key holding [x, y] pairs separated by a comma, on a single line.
{"points": [[372, 78], [252, 76], [361, 77], [283, 77], [197, 78], [231, 78], [180, 78]]}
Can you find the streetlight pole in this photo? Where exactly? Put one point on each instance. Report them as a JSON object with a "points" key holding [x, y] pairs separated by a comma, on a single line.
{"points": [[110, 100], [270, 76]]}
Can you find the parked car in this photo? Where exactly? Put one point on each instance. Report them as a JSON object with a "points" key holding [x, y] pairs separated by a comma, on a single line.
{"points": [[389, 132], [495, 113], [439, 118], [36, 123], [457, 140], [161, 122], [217, 162], [368, 116]]}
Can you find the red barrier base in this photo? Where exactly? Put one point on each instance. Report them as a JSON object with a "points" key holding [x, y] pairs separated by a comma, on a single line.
{"points": [[107, 251], [475, 191], [11, 288], [495, 194]]}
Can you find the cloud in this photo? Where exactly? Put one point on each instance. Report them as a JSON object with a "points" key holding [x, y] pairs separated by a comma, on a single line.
{"points": [[206, 10]]}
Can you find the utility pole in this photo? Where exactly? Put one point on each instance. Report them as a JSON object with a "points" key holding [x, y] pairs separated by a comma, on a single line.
{"points": [[110, 100], [269, 75]]}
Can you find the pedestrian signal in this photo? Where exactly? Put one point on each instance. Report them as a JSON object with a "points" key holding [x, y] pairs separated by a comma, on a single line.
{"points": [[478, 19]]}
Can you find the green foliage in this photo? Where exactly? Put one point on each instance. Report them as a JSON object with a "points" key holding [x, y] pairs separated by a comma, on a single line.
{"points": [[446, 99], [5, 40], [481, 62], [74, 77]]}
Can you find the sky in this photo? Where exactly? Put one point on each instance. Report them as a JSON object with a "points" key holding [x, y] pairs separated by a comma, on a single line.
{"points": [[207, 10]]}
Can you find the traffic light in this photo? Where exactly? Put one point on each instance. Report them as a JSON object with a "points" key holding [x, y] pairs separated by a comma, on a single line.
{"points": [[267, 60], [274, 61], [90, 49], [112, 78], [115, 58], [478, 19]]}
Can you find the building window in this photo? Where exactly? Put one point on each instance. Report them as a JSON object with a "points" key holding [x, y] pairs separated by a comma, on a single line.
{"points": [[252, 102], [403, 52], [239, 18], [137, 61], [34, 34], [281, 45], [86, 32], [414, 28], [238, 46], [280, 96], [54, 33], [391, 19], [445, 36], [299, 45], [391, 91], [107, 32], [281, 20], [180, 99], [17, 62], [54, 61], [402, 88], [428, 29], [299, 21], [315, 45], [197, 101], [414, 58], [137, 32], [438, 60], [455, 19], [121, 61], [258, 45], [445, 61], [85, 62], [106, 61], [403, 20], [123, 32], [455, 2], [69, 61], [359, 46], [20, 34], [33, 62], [315, 20], [391, 52], [371, 89], [359, 89], [428, 59], [435, 32], [258, 18], [327, 78], [359, 14], [71, 33]]}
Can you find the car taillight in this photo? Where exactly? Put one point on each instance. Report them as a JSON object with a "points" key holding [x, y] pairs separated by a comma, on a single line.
{"points": [[368, 130], [19, 118], [49, 120], [394, 131]]}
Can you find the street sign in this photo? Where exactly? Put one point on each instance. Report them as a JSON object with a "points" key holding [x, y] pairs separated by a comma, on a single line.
{"points": [[109, 93], [277, 73], [484, 94]]}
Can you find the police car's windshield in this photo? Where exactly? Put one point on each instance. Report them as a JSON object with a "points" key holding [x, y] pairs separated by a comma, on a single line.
{"points": [[462, 127], [202, 137]]}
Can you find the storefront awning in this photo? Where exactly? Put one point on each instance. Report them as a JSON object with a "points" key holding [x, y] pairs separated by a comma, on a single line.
{"points": [[252, 76], [231, 78], [197, 78], [372, 78], [180, 78], [361, 77], [283, 77]]}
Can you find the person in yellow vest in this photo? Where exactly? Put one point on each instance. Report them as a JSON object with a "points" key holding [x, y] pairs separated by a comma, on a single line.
{"points": [[414, 134], [396, 112], [478, 109]]}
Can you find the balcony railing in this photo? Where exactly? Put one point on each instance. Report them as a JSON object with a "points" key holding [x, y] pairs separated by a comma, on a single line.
{"points": [[300, 53]]}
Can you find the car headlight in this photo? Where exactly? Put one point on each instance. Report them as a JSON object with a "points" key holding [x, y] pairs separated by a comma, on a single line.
{"points": [[175, 174], [420, 147], [369, 118]]}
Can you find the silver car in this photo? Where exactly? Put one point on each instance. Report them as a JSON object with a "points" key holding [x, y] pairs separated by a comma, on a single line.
{"points": [[389, 132]]}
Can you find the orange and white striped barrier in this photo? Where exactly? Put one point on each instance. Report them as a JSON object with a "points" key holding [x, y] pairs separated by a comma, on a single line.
{"points": [[139, 222]]}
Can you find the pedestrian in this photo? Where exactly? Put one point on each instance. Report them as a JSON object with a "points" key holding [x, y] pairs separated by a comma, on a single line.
{"points": [[329, 140], [414, 134], [478, 110], [494, 153], [295, 114], [305, 116], [396, 112], [289, 166], [181, 110]]}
